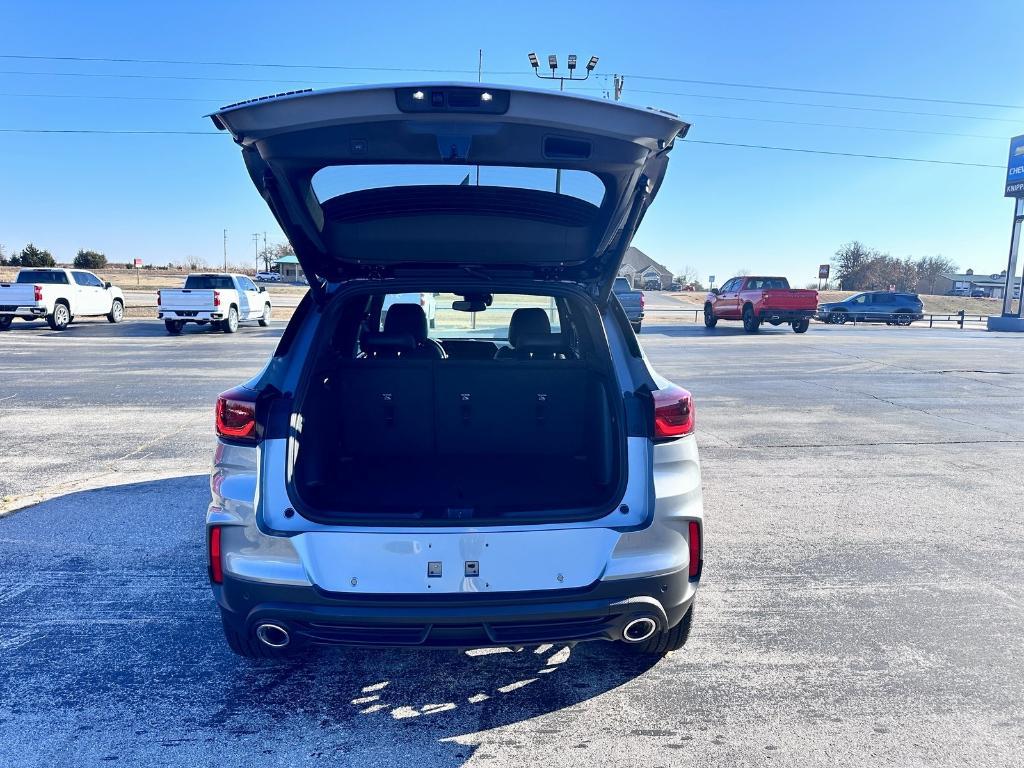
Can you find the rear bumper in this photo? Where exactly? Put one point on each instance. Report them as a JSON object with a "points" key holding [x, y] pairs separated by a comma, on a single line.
{"points": [[598, 612], [189, 316], [22, 311], [785, 315]]}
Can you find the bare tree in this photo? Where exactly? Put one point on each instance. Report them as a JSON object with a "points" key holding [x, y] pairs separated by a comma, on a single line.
{"points": [[930, 269]]}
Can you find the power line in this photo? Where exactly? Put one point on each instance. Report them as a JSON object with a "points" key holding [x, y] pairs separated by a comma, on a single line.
{"points": [[650, 92], [688, 115], [264, 64], [842, 154], [207, 78], [856, 94], [117, 132], [853, 108], [350, 68], [687, 141], [112, 97]]}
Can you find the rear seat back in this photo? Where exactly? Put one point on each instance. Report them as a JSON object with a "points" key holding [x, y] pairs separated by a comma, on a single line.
{"points": [[445, 407], [510, 407], [385, 406]]}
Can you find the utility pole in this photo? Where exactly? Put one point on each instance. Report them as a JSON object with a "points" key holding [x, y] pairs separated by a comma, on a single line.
{"points": [[571, 66], [617, 82], [225, 250], [256, 243]]}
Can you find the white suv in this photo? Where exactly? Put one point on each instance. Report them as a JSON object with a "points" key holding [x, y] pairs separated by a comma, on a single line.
{"points": [[516, 475]]}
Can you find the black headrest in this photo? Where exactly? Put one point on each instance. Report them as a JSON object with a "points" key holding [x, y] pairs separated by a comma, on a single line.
{"points": [[540, 343], [532, 321], [387, 343], [407, 318]]}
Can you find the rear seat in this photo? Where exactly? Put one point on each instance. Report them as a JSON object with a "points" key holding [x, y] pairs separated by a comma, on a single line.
{"points": [[510, 406], [406, 407]]}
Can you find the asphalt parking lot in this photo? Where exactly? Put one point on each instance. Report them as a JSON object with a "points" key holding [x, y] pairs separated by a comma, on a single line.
{"points": [[861, 602]]}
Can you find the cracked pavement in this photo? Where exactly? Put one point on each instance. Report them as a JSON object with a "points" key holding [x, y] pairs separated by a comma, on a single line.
{"points": [[860, 602]]}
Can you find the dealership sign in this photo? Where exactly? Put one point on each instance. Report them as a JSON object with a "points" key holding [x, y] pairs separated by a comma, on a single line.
{"points": [[1015, 168], [823, 272]]}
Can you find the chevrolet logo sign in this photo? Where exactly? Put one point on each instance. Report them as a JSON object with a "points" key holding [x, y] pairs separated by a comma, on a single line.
{"points": [[1019, 151]]}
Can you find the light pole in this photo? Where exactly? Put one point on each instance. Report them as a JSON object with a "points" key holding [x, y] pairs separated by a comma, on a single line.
{"points": [[553, 66], [256, 242], [225, 250]]}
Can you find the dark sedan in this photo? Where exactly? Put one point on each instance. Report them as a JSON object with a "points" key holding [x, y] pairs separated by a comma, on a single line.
{"points": [[889, 307]]}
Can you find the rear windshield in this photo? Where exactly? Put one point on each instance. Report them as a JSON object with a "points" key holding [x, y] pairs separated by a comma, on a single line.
{"points": [[444, 321], [341, 179], [767, 283], [42, 276], [206, 282], [622, 285]]}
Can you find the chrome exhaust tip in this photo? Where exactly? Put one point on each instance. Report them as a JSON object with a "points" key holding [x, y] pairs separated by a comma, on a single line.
{"points": [[638, 630], [272, 635]]}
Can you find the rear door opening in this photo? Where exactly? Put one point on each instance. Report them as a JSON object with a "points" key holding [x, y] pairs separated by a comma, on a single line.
{"points": [[508, 411]]}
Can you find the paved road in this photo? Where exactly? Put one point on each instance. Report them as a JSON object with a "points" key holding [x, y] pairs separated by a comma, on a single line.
{"points": [[861, 602]]}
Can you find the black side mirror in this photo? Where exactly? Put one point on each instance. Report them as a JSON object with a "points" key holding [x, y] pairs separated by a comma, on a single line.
{"points": [[107, 285], [715, 291], [263, 289]]}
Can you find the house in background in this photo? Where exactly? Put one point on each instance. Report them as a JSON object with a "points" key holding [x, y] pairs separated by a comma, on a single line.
{"points": [[289, 269], [968, 283], [639, 268]]}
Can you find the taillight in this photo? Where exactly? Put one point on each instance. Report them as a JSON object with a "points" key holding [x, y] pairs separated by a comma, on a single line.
{"points": [[216, 298], [696, 561], [37, 292], [158, 298], [673, 412], [216, 567], [236, 415]]}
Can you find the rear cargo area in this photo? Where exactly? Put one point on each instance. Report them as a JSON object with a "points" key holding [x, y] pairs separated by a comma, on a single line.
{"points": [[452, 439]]}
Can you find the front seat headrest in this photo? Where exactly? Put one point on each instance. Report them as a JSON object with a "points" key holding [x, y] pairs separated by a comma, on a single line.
{"points": [[407, 318], [527, 321]]}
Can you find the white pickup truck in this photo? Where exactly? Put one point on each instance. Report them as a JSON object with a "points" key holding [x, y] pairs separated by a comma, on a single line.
{"points": [[220, 300], [58, 296]]}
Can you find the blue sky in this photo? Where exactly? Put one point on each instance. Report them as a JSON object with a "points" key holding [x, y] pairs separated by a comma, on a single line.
{"points": [[722, 209]]}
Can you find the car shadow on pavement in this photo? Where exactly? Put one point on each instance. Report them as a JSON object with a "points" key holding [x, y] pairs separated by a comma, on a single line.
{"points": [[698, 330], [115, 650], [139, 328]]}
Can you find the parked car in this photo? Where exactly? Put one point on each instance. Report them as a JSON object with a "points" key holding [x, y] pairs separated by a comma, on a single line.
{"points": [[426, 300], [756, 300], [268, 277], [892, 308], [58, 296], [539, 488], [652, 284], [632, 302], [220, 300]]}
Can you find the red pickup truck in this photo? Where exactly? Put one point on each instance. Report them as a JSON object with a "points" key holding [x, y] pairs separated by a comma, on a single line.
{"points": [[756, 300]]}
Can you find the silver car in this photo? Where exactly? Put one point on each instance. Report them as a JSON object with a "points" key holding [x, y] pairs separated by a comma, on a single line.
{"points": [[518, 474]]}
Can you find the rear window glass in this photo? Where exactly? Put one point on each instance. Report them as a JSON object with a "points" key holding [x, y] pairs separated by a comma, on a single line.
{"points": [[207, 282], [342, 179], [767, 283], [492, 323], [42, 276]]}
